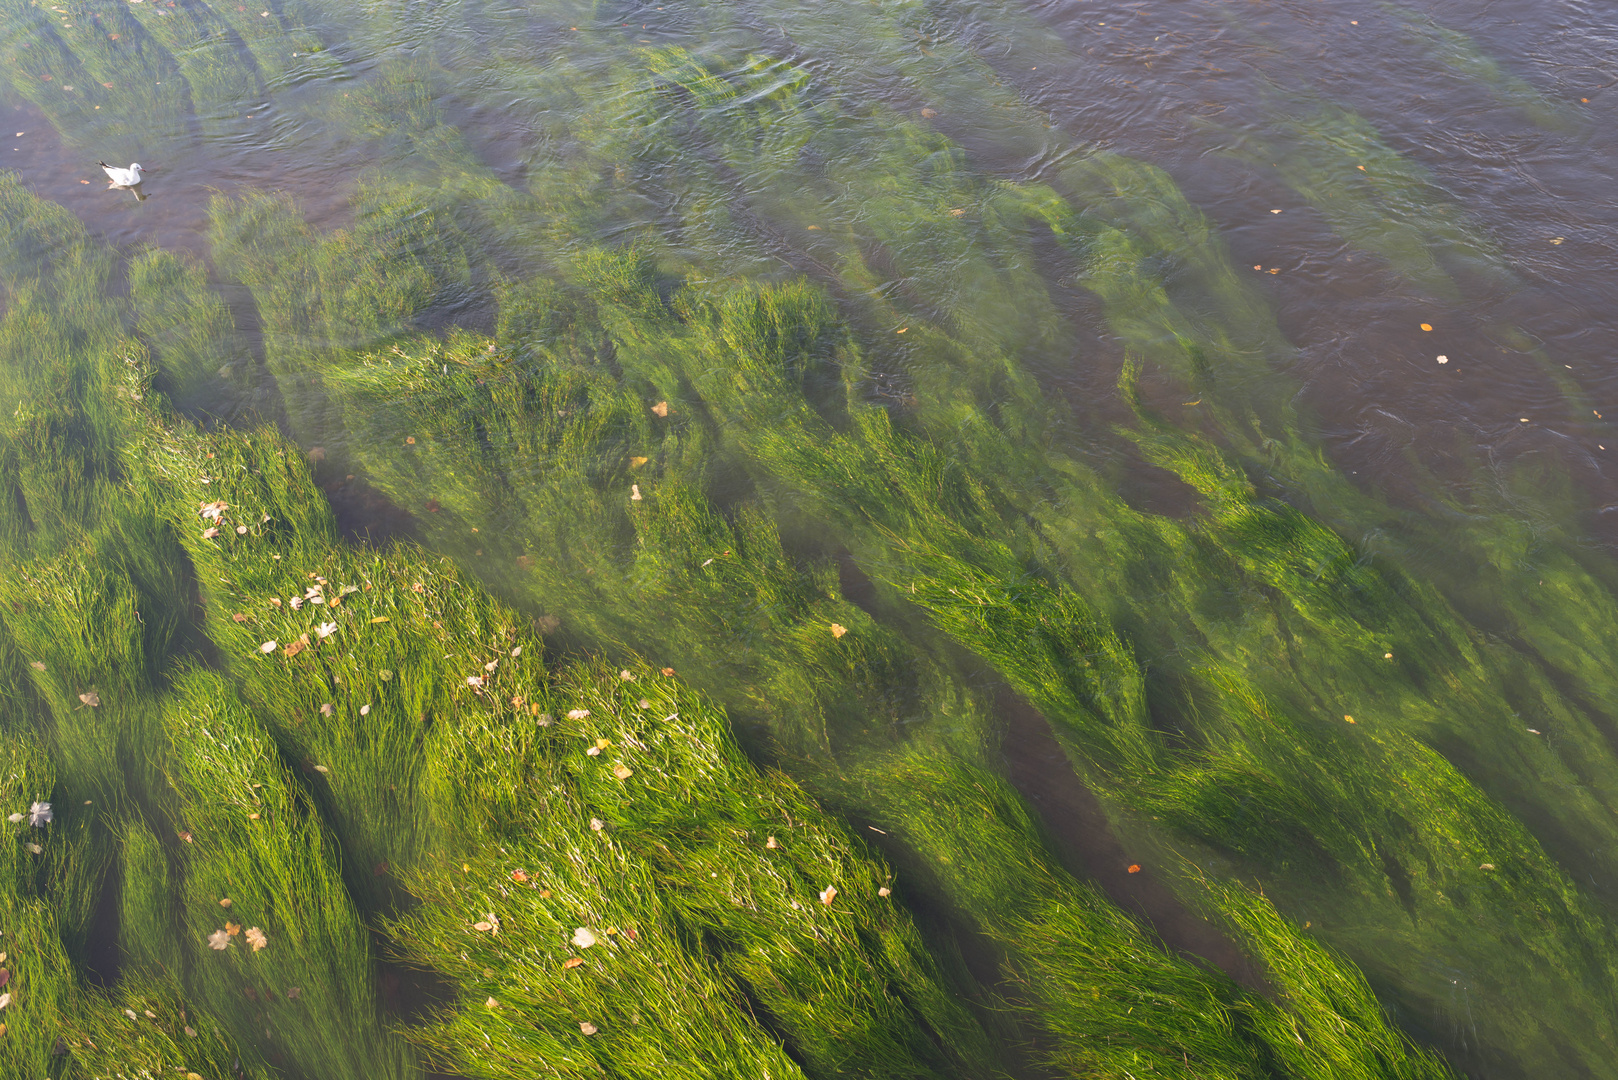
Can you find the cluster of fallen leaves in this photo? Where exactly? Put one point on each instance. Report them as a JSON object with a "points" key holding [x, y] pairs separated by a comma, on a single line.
{"points": [[220, 940]]}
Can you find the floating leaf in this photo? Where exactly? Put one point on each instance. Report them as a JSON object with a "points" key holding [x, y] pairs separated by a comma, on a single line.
{"points": [[219, 940], [838, 630], [269, 646], [622, 771], [573, 962], [661, 408], [90, 698], [828, 894], [587, 1027], [255, 937]]}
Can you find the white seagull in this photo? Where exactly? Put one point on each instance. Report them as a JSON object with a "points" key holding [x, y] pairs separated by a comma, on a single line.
{"points": [[125, 178]]}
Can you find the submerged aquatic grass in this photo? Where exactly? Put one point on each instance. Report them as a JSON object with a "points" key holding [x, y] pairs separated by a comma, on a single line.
{"points": [[681, 457]]}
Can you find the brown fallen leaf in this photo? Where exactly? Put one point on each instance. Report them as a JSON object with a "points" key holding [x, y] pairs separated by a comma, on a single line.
{"points": [[573, 962], [828, 894], [587, 1027]]}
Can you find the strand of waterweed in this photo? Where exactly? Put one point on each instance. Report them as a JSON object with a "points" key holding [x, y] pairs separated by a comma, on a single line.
{"points": [[1463, 55], [221, 74], [1065, 942], [249, 839], [422, 620], [188, 327], [353, 289], [813, 454], [647, 1001], [406, 380], [40, 976], [96, 74]]}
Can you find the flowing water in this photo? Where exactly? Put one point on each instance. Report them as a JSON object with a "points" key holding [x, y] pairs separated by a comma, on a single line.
{"points": [[867, 538]]}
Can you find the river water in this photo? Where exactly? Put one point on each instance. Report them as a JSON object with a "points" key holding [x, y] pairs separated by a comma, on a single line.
{"points": [[1390, 227]]}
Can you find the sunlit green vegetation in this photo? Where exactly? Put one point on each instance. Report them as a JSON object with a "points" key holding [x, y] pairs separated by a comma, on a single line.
{"points": [[669, 742]]}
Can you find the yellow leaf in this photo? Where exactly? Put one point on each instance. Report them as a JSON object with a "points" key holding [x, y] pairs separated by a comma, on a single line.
{"points": [[380, 618]]}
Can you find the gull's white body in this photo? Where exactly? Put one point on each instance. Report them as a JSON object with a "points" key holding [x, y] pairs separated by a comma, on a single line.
{"points": [[122, 177]]}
